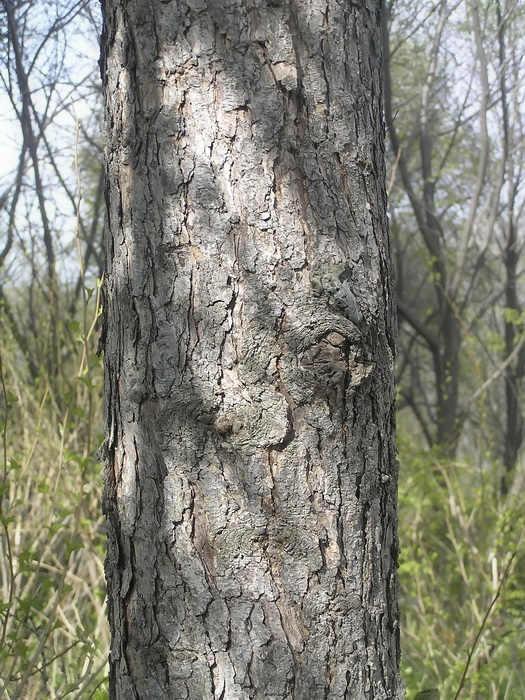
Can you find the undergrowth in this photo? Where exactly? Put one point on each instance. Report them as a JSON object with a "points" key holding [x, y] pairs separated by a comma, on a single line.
{"points": [[53, 628], [462, 579]]}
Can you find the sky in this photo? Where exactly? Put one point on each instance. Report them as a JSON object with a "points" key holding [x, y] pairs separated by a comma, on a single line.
{"points": [[62, 71]]}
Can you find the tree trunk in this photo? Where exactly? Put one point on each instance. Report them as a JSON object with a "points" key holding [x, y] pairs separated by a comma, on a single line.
{"points": [[251, 462]]}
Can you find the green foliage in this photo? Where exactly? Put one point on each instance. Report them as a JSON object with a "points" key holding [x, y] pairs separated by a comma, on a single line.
{"points": [[53, 637], [100, 694], [462, 579], [428, 694]]}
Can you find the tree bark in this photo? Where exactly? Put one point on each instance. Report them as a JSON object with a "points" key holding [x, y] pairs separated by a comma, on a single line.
{"points": [[250, 319]]}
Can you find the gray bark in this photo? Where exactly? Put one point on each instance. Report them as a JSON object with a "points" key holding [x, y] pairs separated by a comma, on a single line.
{"points": [[251, 464]]}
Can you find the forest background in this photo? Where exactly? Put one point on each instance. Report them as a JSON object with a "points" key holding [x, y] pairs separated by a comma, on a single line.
{"points": [[454, 113]]}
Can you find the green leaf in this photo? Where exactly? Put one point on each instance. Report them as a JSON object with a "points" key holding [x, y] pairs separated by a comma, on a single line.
{"points": [[87, 382], [43, 486], [73, 545], [11, 398]]}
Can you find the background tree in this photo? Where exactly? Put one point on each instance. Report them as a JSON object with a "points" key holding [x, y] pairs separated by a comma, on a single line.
{"points": [[53, 631], [251, 472], [456, 192], [45, 221], [454, 77]]}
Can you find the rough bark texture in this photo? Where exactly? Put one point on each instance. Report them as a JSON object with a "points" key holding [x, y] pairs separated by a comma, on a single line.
{"points": [[251, 463]]}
